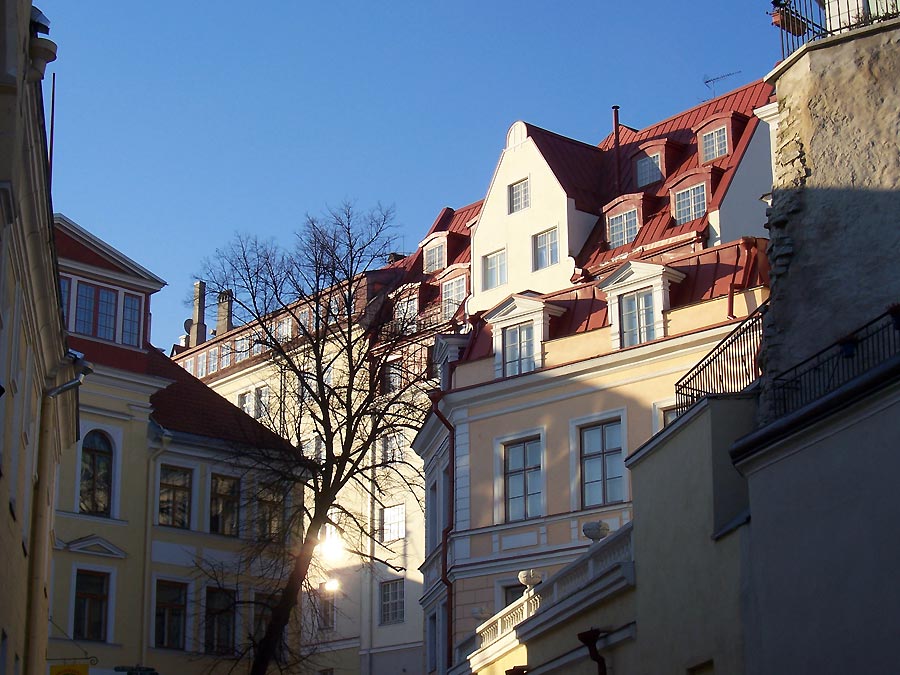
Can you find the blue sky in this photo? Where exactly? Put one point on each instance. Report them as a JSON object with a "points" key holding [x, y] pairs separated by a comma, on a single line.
{"points": [[181, 123]]}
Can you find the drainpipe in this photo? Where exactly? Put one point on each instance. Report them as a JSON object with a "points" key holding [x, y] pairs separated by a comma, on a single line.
{"points": [[589, 639], [445, 534], [748, 244]]}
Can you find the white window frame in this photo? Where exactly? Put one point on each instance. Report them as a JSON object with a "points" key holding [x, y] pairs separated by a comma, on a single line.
{"points": [[201, 365], [486, 264], [435, 257], [212, 360], [696, 206], [714, 144], [453, 293], [622, 228], [521, 336], [547, 240], [644, 325], [518, 196], [393, 523], [648, 170], [499, 447], [241, 348]]}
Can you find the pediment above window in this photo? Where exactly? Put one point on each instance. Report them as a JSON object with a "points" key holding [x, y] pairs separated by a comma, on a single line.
{"points": [[95, 545], [516, 310]]}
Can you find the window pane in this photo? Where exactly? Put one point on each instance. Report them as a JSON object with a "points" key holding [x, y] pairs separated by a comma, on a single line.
{"points": [[106, 315], [612, 435], [533, 480], [84, 309], [515, 455], [614, 466], [591, 439], [593, 494], [615, 490], [131, 321], [534, 453], [516, 508], [593, 470], [534, 505], [515, 486]]}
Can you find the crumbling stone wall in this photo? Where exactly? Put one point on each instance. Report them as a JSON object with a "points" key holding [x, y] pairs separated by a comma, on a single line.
{"points": [[835, 217]]}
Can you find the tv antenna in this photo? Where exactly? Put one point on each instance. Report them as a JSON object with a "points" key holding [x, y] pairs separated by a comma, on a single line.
{"points": [[710, 82]]}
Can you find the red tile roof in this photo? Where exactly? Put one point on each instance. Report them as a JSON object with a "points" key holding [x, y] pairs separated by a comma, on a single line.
{"points": [[709, 273]]}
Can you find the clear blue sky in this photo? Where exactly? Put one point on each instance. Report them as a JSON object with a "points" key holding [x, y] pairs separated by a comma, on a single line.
{"points": [[181, 123]]}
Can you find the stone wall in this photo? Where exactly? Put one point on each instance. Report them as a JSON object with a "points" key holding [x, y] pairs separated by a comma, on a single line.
{"points": [[835, 217]]}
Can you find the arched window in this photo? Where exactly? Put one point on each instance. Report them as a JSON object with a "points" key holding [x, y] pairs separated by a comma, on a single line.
{"points": [[96, 474]]}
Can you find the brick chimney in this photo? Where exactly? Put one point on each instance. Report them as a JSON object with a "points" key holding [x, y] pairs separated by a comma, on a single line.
{"points": [[224, 321]]}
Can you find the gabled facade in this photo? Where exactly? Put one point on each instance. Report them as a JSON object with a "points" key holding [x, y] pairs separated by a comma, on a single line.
{"points": [[569, 367], [149, 497]]}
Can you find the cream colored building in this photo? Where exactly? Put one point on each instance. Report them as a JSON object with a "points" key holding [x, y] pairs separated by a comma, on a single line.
{"points": [[600, 276], [150, 500], [37, 373], [373, 623]]}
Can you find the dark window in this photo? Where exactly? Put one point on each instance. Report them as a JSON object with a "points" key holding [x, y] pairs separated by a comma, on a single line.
{"points": [[65, 293], [174, 496], [325, 608], [91, 605], [171, 614], [392, 602], [131, 321], [219, 621], [95, 311], [522, 474], [270, 513], [96, 474], [602, 469], [224, 505]]}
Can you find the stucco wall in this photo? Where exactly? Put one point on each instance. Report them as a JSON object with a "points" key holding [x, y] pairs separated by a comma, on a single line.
{"points": [[834, 219]]}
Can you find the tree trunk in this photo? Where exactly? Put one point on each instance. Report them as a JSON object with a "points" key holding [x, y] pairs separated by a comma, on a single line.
{"points": [[267, 648]]}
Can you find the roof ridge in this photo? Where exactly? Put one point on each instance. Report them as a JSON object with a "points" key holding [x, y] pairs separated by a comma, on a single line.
{"points": [[561, 137]]}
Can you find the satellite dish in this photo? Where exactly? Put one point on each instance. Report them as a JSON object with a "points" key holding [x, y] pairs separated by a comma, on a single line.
{"points": [[187, 325]]}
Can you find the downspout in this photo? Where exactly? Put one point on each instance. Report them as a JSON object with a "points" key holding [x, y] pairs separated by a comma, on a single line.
{"points": [[445, 534], [748, 244], [148, 532]]}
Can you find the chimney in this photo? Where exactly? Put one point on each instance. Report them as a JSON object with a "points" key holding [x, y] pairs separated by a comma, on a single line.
{"points": [[198, 325], [395, 257], [615, 110], [224, 321]]}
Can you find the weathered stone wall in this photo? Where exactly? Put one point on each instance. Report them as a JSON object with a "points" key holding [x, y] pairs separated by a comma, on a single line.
{"points": [[835, 217]]}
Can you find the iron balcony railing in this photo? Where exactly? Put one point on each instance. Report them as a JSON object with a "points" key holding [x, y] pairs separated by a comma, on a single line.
{"points": [[802, 21], [729, 368], [836, 365]]}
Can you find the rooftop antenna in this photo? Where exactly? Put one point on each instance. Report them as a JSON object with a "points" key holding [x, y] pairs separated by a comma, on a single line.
{"points": [[710, 82]]}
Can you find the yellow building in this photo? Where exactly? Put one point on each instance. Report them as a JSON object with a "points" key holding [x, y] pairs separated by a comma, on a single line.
{"points": [[600, 276], [37, 374], [152, 511]]}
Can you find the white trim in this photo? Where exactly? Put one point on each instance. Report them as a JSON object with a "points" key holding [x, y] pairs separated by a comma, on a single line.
{"points": [[658, 409]]}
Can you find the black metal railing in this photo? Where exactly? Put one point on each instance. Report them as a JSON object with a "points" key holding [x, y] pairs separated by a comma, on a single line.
{"points": [[836, 365], [802, 21], [729, 368]]}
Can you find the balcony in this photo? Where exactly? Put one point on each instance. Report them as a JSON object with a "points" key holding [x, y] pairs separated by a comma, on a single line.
{"points": [[848, 358], [576, 577], [802, 21], [729, 368]]}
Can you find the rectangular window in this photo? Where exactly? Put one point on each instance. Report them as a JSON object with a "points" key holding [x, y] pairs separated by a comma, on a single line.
{"points": [[91, 605], [325, 608], [405, 312], [270, 512], [283, 329], [622, 228], [690, 204], [175, 496], [431, 647], [453, 293], [648, 170], [201, 365], [522, 478], [602, 468], [637, 317], [434, 258], [131, 320], [65, 292], [303, 320], [226, 355], [261, 402], [519, 196], [241, 348], [224, 505], [545, 249], [171, 614], [95, 311], [715, 144], [393, 377], [392, 448], [189, 365], [258, 342], [244, 402], [493, 267], [518, 349], [393, 522], [212, 364], [219, 621], [392, 602], [96, 474]]}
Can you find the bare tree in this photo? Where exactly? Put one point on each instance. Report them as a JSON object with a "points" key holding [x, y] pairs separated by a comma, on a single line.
{"points": [[347, 370]]}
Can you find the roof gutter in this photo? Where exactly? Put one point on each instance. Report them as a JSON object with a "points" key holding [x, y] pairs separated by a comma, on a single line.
{"points": [[445, 533]]}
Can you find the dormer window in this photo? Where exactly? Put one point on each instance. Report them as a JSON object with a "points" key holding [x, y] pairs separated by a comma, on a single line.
{"points": [[453, 292], [637, 317], [518, 349], [545, 249], [519, 196], [95, 311], [519, 326], [435, 257], [622, 228], [690, 204], [648, 170], [715, 144]]}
